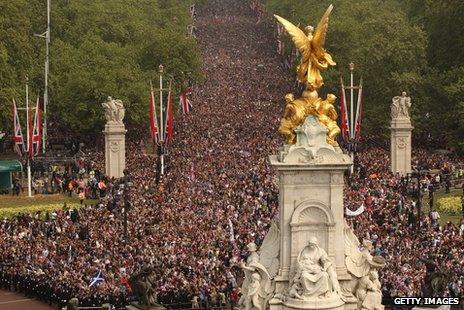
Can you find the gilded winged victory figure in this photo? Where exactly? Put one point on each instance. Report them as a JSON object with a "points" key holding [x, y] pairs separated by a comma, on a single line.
{"points": [[314, 58]]}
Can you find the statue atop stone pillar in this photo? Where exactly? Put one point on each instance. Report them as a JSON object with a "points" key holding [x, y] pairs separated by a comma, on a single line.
{"points": [[401, 131], [114, 110], [400, 106], [115, 145]]}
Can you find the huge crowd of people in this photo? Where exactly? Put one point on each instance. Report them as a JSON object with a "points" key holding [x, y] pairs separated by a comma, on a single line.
{"points": [[399, 233], [218, 194]]}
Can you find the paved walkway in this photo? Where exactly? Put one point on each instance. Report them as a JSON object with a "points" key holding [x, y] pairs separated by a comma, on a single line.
{"points": [[15, 301]]}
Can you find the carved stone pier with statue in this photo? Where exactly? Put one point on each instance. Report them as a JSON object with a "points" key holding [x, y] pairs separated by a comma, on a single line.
{"points": [[311, 259], [115, 138], [401, 132]]}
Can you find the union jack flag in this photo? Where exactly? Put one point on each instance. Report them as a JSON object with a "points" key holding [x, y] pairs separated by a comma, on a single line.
{"points": [[35, 137], [153, 119], [344, 126], [185, 102], [357, 134], [18, 138], [168, 125]]}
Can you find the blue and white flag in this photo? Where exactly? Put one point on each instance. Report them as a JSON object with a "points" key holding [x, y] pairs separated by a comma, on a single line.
{"points": [[96, 280]]}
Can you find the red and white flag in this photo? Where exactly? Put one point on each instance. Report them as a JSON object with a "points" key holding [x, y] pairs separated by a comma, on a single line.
{"points": [[357, 130], [18, 138], [153, 119], [185, 102], [168, 126], [344, 116], [35, 137]]}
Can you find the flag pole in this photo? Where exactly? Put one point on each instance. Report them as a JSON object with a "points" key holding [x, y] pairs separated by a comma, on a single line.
{"points": [[351, 66], [161, 69], [47, 59], [29, 191], [46, 36]]}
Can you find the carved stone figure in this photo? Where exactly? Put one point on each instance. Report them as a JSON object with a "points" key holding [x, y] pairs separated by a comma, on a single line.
{"points": [[400, 106], [114, 110], [363, 267], [368, 293], [315, 276], [143, 286], [260, 269]]}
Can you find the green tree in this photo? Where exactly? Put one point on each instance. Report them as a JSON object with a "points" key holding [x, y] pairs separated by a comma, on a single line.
{"points": [[387, 50], [99, 48]]}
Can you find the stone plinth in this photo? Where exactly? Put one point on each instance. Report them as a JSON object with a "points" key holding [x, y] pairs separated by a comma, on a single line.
{"points": [[115, 149], [138, 306], [401, 132], [311, 205]]}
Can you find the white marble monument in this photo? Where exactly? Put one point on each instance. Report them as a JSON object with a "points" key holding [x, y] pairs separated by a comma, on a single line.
{"points": [[312, 242], [311, 259], [401, 131], [115, 141]]}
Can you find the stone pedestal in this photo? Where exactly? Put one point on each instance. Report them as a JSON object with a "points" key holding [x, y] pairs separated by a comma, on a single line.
{"points": [[401, 132], [115, 149], [138, 306], [311, 205]]}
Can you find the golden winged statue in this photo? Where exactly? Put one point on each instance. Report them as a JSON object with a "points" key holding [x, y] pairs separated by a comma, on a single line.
{"points": [[314, 58]]}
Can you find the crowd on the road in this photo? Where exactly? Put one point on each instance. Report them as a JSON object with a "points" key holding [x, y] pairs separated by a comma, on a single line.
{"points": [[392, 221], [218, 194]]}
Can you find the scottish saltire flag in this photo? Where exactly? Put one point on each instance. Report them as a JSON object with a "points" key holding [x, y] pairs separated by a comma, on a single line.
{"points": [[97, 279], [185, 102], [18, 138], [35, 137], [153, 119]]}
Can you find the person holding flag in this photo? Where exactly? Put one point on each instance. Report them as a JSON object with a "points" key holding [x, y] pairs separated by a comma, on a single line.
{"points": [[97, 279]]}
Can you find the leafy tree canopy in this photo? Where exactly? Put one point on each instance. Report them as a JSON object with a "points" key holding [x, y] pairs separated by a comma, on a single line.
{"points": [[396, 45], [98, 48]]}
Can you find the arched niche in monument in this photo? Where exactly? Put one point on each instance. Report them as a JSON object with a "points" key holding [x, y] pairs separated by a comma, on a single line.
{"points": [[311, 218]]}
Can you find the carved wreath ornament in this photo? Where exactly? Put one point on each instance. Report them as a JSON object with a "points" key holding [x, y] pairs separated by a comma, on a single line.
{"points": [[114, 146], [401, 143]]}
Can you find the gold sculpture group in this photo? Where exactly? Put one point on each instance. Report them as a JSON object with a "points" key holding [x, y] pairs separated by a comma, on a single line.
{"points": [[314, 58]]}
